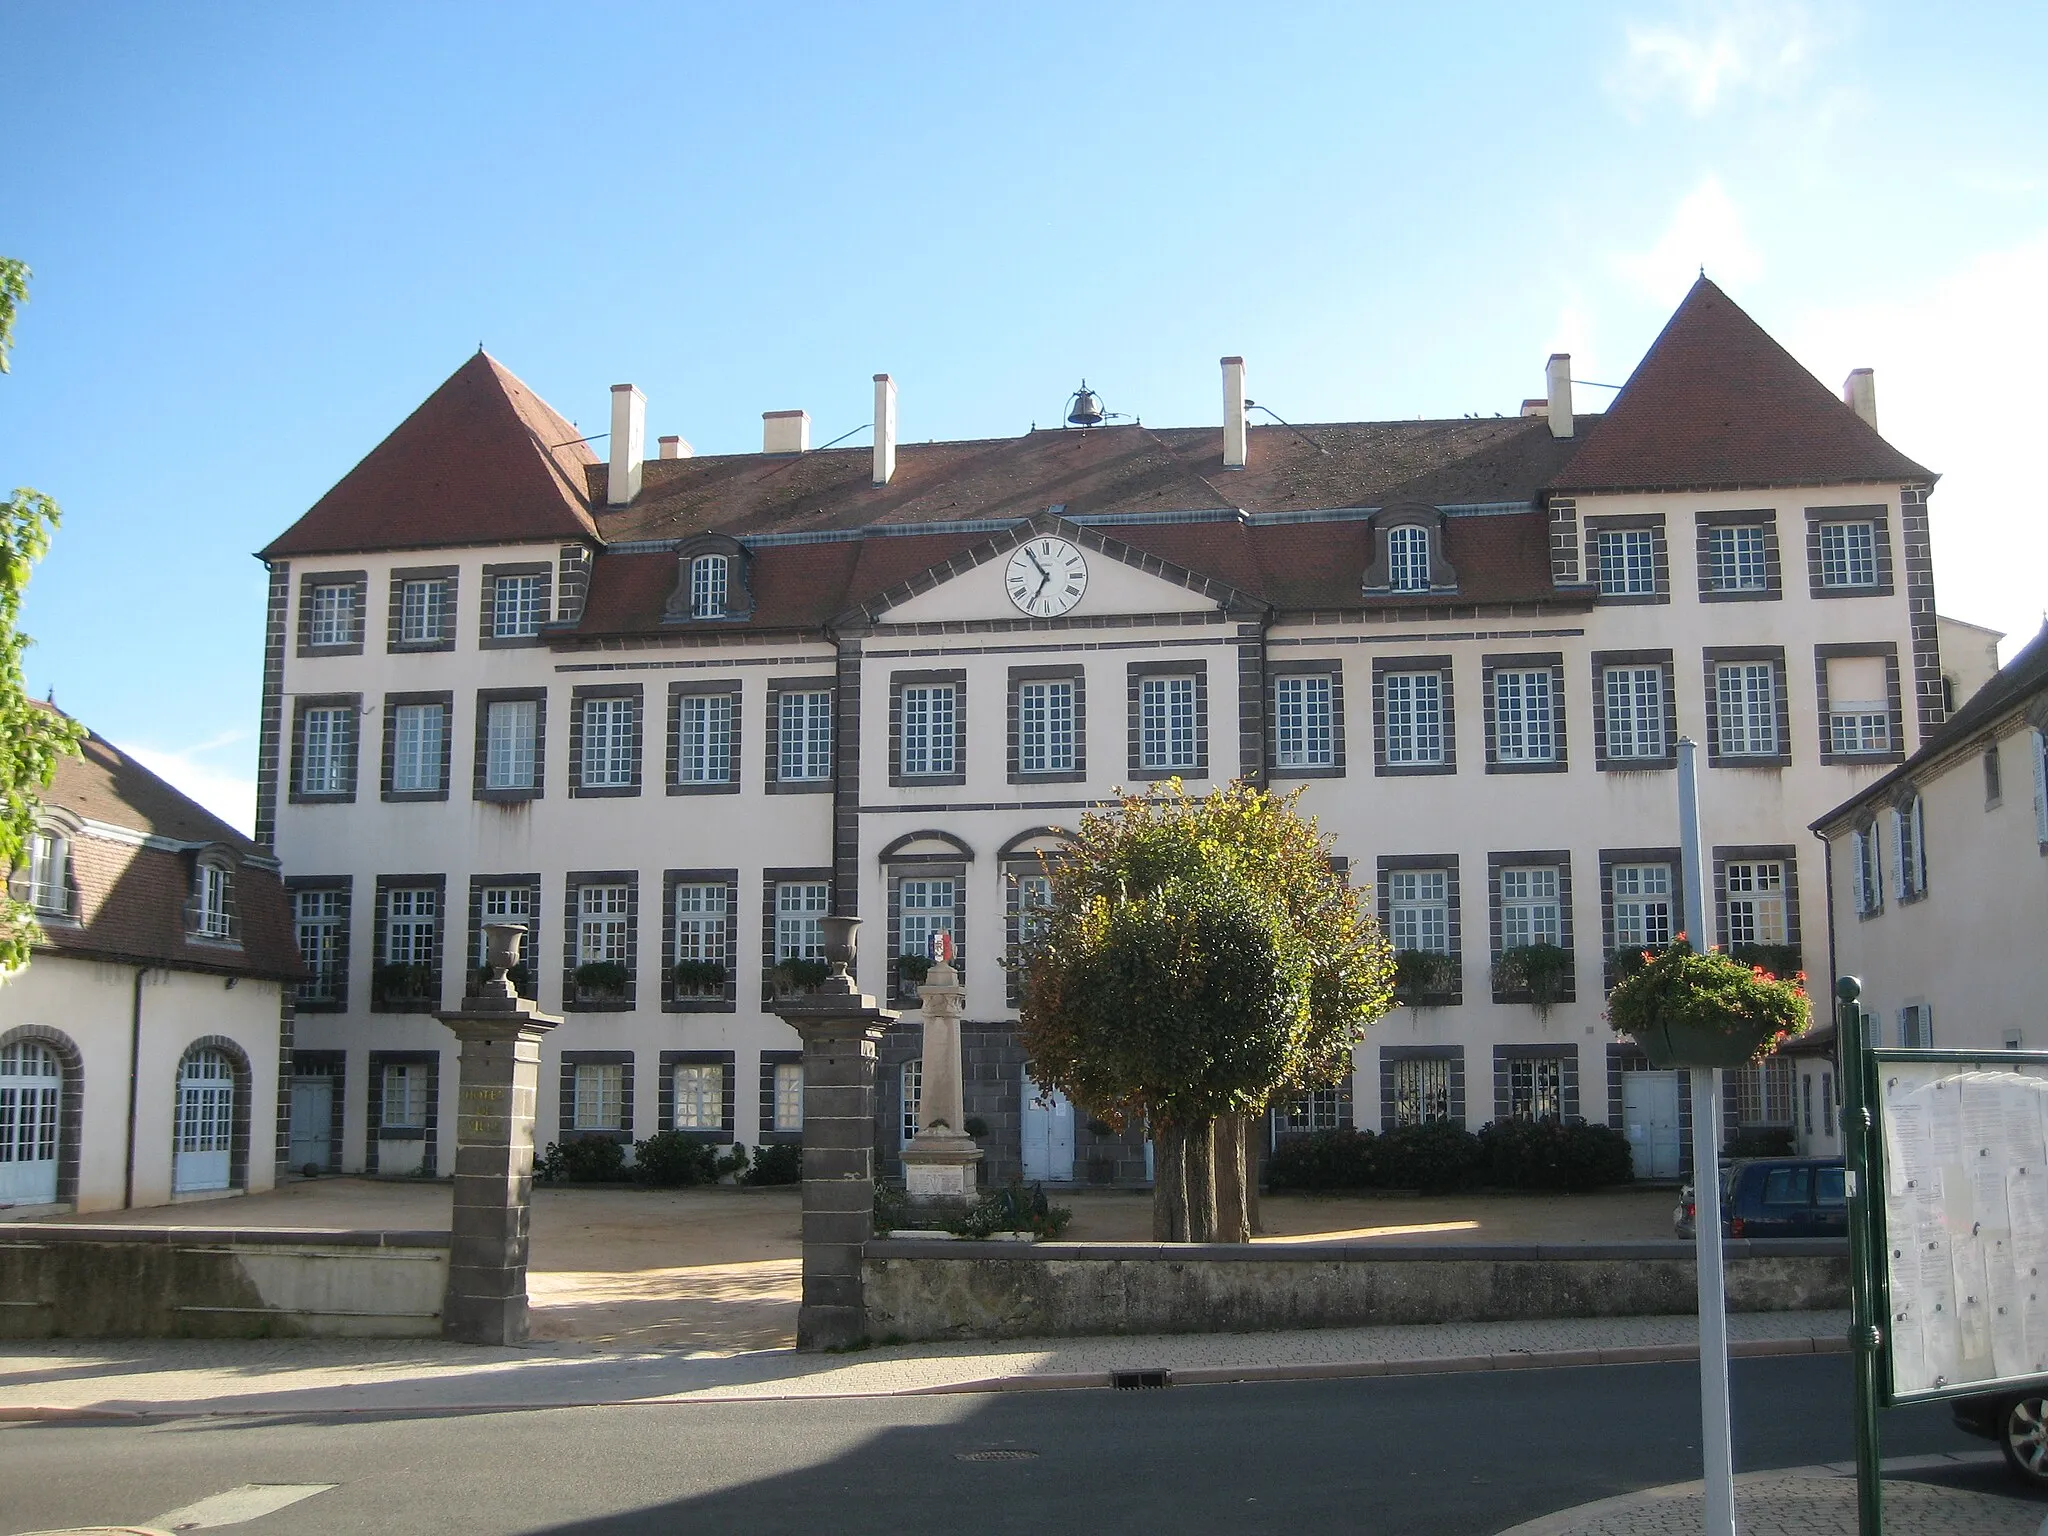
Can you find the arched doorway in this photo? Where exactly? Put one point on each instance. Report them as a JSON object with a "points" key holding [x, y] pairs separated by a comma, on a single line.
{"points": [[31, 1090], [204, 1138]]}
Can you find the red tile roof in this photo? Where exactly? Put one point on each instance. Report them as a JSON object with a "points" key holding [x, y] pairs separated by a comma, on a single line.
{"points": [[484, 460], [1716, 403]]}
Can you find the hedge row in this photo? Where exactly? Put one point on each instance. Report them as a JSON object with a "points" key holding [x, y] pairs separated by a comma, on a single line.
{"points": [[1438, 1158]]}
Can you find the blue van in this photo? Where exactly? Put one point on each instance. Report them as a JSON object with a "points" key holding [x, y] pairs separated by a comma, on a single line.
{"points": [[1776, 1197]]}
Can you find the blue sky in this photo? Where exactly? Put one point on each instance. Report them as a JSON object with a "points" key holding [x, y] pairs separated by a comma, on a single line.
{"points": [[262, 234]]}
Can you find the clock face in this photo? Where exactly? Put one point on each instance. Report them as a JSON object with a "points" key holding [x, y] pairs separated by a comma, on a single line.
{"points": [[1046, 577]]}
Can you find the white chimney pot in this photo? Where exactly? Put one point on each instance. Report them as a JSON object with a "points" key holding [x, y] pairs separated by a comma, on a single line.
{"points": [[628, 444], [785, 431], [676, 448], [1557, 374], [1859, 393], [885, 428], [1236, 425]]}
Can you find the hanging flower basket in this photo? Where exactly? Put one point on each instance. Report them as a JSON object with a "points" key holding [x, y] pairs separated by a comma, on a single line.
{"points": [[1692, 1010]]}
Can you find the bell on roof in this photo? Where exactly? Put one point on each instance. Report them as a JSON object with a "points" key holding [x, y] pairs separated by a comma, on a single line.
{"points": [[1084, 408]]}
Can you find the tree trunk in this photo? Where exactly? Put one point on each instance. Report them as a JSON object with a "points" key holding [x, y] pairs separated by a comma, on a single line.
{"points": [[1201, 1182], [1233, 1213], [1169, 1184], [1254, 1168]]}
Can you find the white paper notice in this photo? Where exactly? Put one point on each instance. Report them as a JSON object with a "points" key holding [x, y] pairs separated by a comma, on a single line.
{"points": [[1983, 1096], [1944, 1123], [1909, 1348], [1905, 1145]]}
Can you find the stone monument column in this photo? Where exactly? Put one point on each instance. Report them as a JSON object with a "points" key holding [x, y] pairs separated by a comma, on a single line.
{"points": [[500, 1033], [941, 1163], [840, 1027]]}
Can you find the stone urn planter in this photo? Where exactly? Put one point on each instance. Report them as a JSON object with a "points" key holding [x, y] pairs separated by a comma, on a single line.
{"points": [[1707, 1010]]}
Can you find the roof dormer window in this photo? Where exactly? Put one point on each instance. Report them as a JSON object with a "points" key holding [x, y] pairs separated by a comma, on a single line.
{"points": [[1408, 553], [49, 858], [1408, 559], [212, 910], [708, 587]]}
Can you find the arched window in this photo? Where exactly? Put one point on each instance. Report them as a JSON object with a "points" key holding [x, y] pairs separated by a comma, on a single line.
{"points": [[707, 587], [213, 900], [49, 858], [31, 1079], [203, 1141], [1408, 559]]}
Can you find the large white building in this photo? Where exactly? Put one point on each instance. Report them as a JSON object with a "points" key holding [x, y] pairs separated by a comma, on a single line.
{"points": [[671, 711]]}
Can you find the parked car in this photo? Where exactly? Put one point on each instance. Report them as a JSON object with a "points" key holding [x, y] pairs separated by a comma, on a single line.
{"points": [[1775, 1197], [2018, 1421]]}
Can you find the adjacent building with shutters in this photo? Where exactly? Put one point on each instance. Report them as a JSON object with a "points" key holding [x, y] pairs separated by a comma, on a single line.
{"points": [[670, 712], [140, 1049]]}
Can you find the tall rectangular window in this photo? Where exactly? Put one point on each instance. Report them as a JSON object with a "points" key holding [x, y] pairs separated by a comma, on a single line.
{"points": [[320, 924], [1523, 724], [911, 1097], [1746, 696], [707, 587], [1642, 906], [1166, 723], [1535, 1087], [417, 734], [1303, 731], [789, 1096], [404, 1105], [1868, 867], [214, 918], [600, 1096], [47, 856], [1628, 562], [516, 607], [506, 904], [1848, 555], [1529, 908], [1045, 727], [1418, 909], [1422, 1091], [1756, 902], [800, 908], [1763, 1093], [603, 913], [1735, 560], [607, 743], [1636, 724], [411, 918], [1408, 559], [700, 1096], [333, 618], [704, 750], [1916, 1027], [804, 737], [423, 612], [925, 908], [700, 931], [511, 743], [1415, 719], [326, 750], [929, 747]]}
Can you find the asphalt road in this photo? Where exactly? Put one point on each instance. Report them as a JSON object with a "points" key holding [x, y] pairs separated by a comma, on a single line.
{"points": [[1422, 1454]]}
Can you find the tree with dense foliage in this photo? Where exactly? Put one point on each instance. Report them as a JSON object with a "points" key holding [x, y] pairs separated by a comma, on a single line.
{"points": [[1200, 958], [32, 737]]}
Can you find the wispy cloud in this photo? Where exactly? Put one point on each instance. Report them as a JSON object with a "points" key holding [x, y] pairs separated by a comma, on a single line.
{"points": [[229, 795], [1716, 51], [1705, 230]]}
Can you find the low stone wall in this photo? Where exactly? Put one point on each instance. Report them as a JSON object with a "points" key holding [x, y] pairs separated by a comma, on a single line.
{"points": [[60, 1280], [956, 1290]]}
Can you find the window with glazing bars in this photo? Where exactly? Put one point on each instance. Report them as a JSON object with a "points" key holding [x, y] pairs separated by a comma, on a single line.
{"points": [[700, 1096], [1408, 559], [600, 1103], [1535, 1087], [511, 739], [423, 612], [700, 928], [1635, 712], [925, 908], [601, 923], [1735, 560], [1422, 1091], [416, 736], [515, 607], [704, 752], [333, 620], [410, 919], [326, 744], [1763, 1093], [928, 716], [1320, 1109], [800, 908], [789, 1096], [215, 917], [319, 924], [1303, 736], [912, 1095], [1529, 912], [1860, 728], [1166, 723], [1523, 726], [1746, 695], [48, 854], [1642, 906], [1418, 910], [804, 731], [1414, 716], [1045, 727], [1756, 902], [405, 1097], [1848, 555], [1628, 562], [707, 587], [607, 743], [507, 904]]}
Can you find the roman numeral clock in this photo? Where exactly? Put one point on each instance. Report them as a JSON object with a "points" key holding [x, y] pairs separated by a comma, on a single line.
{"points": [[1046, 577]]}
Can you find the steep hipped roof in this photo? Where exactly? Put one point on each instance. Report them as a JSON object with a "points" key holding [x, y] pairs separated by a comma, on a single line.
{"points": [[484, 460], [1716, 403]]}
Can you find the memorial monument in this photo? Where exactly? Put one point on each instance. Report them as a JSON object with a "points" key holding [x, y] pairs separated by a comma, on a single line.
{"points": [[941, 1163]]}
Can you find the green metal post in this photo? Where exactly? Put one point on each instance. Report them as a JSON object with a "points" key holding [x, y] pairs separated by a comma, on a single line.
{"points": [[1859, 1126]]}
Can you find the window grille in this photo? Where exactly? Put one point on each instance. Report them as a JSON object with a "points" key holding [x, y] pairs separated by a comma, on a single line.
{"points": [[1418, 908], [30, 1084], [1642, 906], [1747, 694], [1529, 909], [1635, 712], [1414, 718], [1735, 560], [700, 928], [1763, 1093], [333, 619], [928, 737], [607, 743], [707, 587], [704, 754], [206, 1104], [1166, 723], [417, 732], [1408, 559], [326, 747], [1868, 866], [1909, 851], [1422, 1091], [800, 908], [516, 607], [912, 1084], [320, 925], [1848, 555], [405, 1097], [1628, 562], [1523, 724], [422, 612], [411, 916], [1045, 727], [507, 904], [805, 737], [700, 1097], [601, 928], [511, 740], [600, 1099], [1303, 733], [1535, 1088], [214, 916], [1756, 903], [1861, 729], [1320, 1109], [48, 857], [789, 1096], [925, 907]]}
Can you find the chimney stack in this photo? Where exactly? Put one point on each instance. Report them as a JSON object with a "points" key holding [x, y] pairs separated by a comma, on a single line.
{"points": [[1859, 393], [676, 448], [885, 429], [1236, 427], [628, 444], [785, 431], [1558, 374]]}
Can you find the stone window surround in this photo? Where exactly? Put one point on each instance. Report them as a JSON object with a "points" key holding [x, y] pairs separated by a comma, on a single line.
{"points": [[1609, 859], [1454, 923], [1135, 674], [1070, 673], [308, 580], [1879, 517], [670, 879], [376, 1132], [530, 948], [485, 698], [1529, 661], [1013, 864], [1555, 858], [1381, 667], [353, 704], [773, 878], [1765, 518], [1333, 669], [1786, 854], [1602, 660], [1660, 556], [346, 885], [451, 576], [1895, 701], [767, 1135], [1443, 577], [1716, 656], [388, 761], [565, 1120], [386, 884], [727, 1064], [1392, 1055], [773, 782], [956, 677], [680, 607], [70, 1099], [922, 866], [735, 756], [578, 697], [1567, 1077], [487, 639], [572, 938]]}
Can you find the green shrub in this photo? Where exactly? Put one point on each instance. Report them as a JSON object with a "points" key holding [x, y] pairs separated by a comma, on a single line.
{"points": [[778, 1163], [1324, 1160], [913, 969], [1423, 973], [603, 978], [699, 978], [416, 982], [1547, 1154], [1772, 1141], [1014, 1209], [794, 976], [734, 1160], [1544, 971], [588, 1161], [674, 1160], [1435, 1158], [1713, 992]]}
